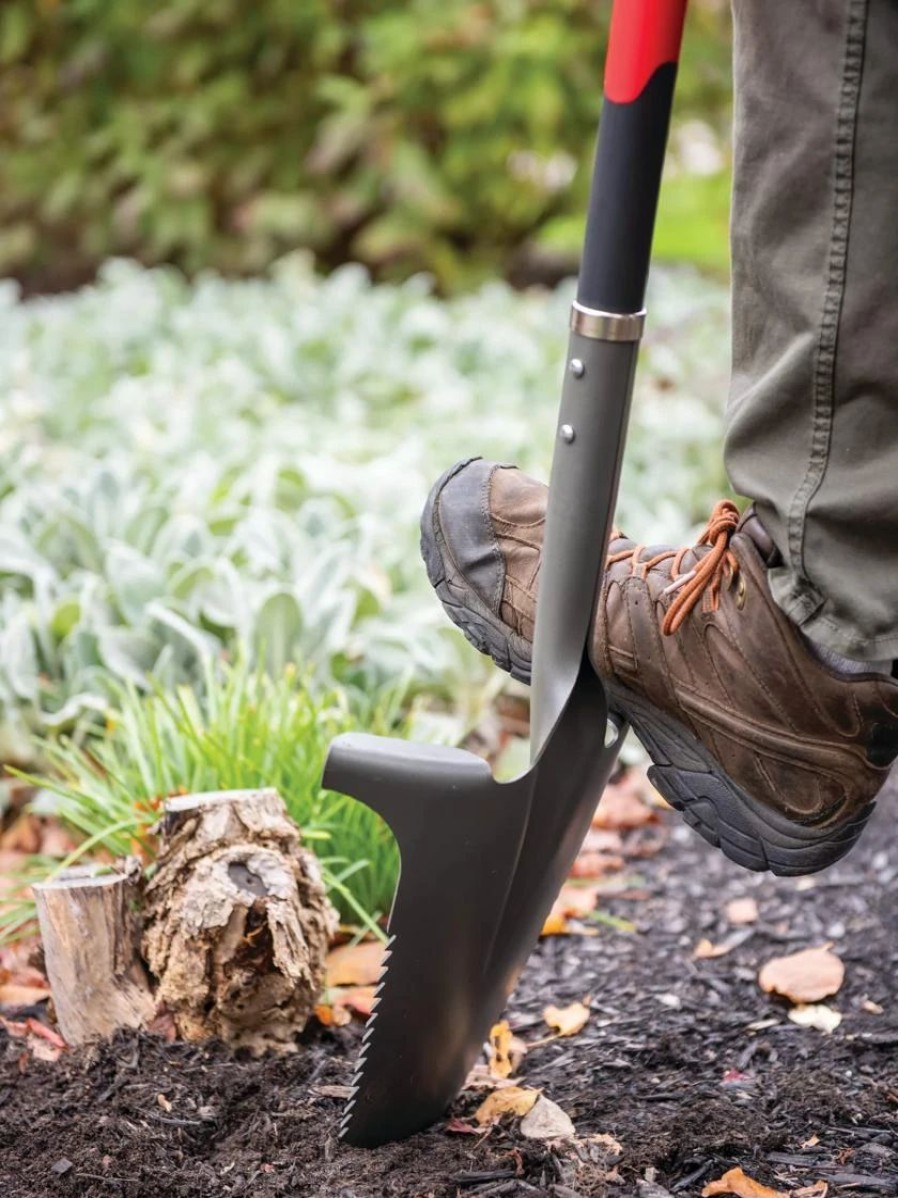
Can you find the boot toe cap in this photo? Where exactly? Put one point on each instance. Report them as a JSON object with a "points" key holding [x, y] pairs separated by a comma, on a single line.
{"points": [[457, 533]]}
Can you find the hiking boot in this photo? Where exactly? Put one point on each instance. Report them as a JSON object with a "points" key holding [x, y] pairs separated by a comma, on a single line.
{"points": [[770, 754]]}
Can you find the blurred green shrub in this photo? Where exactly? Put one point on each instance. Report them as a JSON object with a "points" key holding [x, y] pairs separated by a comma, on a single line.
{"points": [[444, 135]]}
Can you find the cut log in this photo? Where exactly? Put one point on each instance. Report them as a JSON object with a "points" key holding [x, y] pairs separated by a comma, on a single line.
{"points": [[90, 938], [236, 920]]}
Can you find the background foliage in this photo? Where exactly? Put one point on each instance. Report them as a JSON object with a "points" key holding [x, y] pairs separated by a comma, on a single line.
{"points": [[445, 135], [189, 471]]}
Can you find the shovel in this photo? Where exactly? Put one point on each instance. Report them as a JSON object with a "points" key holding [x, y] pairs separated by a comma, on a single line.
{"points": [[481, 860]]}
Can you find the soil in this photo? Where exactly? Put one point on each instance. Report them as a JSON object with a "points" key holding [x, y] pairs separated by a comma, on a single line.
{"points": [[685, 1062]]}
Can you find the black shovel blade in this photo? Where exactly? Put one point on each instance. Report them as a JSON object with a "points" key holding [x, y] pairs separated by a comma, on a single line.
{"points": [[481, 864]]}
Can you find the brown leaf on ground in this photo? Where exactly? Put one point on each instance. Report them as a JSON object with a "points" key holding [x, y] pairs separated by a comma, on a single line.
{"points": [[603, 840], [21, 985], [622, 808], [459, 1127], [506, 1050], [11, 864], [818, 1190], [42, 1042], [512, 1100], [567, 1021], [742, 911], [359, 999], [576, 901], [706, 951], [804, 977], [546, 1121], [329, 1016], [556, 925], [12, 994], [739, 1183], [612, 1146], [596, 865], [355, 964]]}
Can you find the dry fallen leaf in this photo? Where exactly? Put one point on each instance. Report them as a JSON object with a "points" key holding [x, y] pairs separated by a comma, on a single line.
{"points": [[576, 901], [459, 1127], [803, 977], [622, 808], [506, 1050], [330, 1016], [739, 1183], [14, 995], [816, 1015], [42, 1042], [546, 1121], [512, 1100], [706, 951], [355, 964], [556, 925], [818, 1190], [742, 911], [612, 1146], [567, 1021]]}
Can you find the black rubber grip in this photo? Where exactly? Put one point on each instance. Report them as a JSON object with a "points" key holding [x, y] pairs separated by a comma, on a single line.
{"points": [[624, 197]]}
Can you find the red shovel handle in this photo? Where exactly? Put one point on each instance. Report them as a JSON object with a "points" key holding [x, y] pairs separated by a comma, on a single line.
{"points": [[645, 34]]}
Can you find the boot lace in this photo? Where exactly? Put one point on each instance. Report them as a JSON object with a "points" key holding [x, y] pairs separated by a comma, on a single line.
{"points": [[708, 575]]}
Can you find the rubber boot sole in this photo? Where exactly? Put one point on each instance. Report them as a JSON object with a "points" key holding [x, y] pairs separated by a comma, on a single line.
{"points": [[683, 771]]}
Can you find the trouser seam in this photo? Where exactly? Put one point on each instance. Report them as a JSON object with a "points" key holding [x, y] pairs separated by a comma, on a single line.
{"points": [[824, 366]]}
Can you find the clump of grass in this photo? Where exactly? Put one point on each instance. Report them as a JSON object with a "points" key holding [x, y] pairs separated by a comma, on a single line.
{"points": [[243, 729]]}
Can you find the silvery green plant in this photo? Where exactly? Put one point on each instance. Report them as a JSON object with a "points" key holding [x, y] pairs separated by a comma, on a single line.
{"points": [[192, 471]]}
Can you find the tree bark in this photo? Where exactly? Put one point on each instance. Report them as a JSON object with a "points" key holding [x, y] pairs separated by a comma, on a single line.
{"points": [[236, 919], [90, 938]]}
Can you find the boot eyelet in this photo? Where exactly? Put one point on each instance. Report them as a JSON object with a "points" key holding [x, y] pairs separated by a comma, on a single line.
{"points": [[740, 593]]}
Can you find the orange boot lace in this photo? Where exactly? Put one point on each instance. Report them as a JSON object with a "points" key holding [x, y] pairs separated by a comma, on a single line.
{"points": [[715, 568]]}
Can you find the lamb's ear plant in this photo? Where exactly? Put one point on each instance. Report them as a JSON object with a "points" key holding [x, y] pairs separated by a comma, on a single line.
{"points": [[242, 729], [189, 471]]}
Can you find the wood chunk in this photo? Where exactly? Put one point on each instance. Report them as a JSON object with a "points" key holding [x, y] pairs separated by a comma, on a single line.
{"points": [[237, 922], [90, 935]]}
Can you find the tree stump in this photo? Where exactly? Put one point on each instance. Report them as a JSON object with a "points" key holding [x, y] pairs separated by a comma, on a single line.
{"points": [[90, 938], [236, 920]]}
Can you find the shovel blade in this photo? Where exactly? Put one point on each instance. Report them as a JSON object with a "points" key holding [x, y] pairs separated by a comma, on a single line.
{"points": [[481, 864]]}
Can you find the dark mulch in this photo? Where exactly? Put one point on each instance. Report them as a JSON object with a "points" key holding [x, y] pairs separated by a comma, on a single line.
{"points": [[685, 1062]]}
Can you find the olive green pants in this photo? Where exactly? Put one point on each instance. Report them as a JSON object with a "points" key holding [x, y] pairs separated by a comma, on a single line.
{"points": [[812, 420]]}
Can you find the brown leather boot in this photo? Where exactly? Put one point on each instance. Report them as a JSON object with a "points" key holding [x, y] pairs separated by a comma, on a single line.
{"points": [[770, 754]]}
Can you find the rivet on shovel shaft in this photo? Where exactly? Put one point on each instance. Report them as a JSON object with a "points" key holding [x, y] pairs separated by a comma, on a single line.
{"points": [[567, 434], [577, 368]]}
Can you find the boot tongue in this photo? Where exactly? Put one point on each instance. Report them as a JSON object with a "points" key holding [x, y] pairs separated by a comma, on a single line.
{"points": [[752, 527]]}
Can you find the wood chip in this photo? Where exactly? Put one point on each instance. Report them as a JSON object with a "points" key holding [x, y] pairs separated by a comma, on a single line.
{"points": [[816, 1015], [706, 951]]}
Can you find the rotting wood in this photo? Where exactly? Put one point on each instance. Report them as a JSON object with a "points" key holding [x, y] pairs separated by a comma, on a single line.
{"points": [[236, 920], [90, 939]]}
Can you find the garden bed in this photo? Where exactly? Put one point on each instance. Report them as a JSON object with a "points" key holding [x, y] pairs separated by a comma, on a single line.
{"points": [[685, 1063]]}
